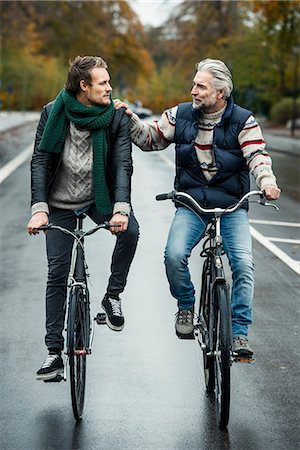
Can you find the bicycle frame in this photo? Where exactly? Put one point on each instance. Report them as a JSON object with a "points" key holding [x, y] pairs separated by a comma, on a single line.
{"points": [[78, 268], [79, 330], [78, 273], [212, 267], [78, 278]]}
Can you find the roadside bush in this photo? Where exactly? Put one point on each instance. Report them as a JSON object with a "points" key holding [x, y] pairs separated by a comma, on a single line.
{"points": [[282, 111]]}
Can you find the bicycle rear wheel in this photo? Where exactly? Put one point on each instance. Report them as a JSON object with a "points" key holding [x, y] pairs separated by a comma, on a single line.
{"points": [[206, 311], [78, 331], [222, 353]]}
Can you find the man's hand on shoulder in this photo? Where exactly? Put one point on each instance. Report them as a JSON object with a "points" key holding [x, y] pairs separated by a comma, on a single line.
{"points": [[36, 221], [119, 104], [271, 192]]}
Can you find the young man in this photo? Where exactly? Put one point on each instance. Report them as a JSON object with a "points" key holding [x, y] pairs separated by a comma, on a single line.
{"points": [[217, 144], [82, 163]]}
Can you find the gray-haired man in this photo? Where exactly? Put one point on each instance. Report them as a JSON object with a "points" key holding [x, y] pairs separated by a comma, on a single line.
{"points": [[217, 144]]}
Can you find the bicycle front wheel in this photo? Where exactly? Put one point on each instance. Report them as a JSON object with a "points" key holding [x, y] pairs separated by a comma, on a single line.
{"points": [[77, 343], [222, 353], [206, 311]]}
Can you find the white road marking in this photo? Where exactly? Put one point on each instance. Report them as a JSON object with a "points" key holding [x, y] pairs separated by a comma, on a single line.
{"points": [[12, 165], [275, 222], [265, 241], [284, 240], [294, 265]]}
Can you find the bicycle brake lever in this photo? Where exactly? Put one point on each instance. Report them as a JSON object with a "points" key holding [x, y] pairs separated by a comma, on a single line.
{"points": [[263, 201]]}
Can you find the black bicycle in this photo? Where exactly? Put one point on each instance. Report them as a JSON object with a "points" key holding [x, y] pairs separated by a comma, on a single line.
{"points": [[212, 329], [79, 327]]}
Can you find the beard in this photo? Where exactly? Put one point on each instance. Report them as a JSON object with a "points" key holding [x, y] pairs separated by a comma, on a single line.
{"points": [[197, 106], [208, 102]]}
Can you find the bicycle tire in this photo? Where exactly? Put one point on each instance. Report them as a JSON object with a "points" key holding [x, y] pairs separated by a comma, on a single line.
{"points": [[78, 330], [206, 310], [222, 353]]}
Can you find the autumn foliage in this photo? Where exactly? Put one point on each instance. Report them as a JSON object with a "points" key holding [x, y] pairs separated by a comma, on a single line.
{"points": [[258, 40]]}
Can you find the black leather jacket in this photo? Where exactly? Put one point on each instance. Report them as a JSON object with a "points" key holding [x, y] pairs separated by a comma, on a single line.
{"points": [[119, 161]]}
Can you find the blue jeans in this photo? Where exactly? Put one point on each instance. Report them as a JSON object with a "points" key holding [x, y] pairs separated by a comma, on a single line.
{"points": [[186, 231]]}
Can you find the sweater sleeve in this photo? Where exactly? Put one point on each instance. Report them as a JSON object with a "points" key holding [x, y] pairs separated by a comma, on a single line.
{"points": [[156, 135], [253, 147]]}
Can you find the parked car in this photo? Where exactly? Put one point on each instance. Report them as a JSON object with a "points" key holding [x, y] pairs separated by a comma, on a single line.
{"points": [[139, 110]]}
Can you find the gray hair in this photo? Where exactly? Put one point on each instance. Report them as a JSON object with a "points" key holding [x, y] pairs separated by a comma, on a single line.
{"points": [[220, 72]]}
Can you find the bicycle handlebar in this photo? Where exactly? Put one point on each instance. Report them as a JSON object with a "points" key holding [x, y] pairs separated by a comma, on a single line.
{"points": [[189, 201], [51, 226], [168, 196]]}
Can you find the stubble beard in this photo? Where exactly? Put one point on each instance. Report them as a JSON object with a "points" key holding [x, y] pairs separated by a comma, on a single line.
{"points": [[207, 104]]}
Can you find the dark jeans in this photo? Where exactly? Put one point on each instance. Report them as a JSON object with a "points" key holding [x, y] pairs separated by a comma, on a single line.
{"points": [[59, 250]]}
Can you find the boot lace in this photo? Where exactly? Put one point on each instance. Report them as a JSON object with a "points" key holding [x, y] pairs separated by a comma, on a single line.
{"points": [[184, 316]]}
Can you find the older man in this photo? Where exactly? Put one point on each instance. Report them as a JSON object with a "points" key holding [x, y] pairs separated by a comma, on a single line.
{"points": [[217, 144]]}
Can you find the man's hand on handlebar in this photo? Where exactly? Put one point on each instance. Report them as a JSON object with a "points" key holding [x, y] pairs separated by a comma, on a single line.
{"points": [[36, 221], [119, 104], [121, 221], [271, 192]]}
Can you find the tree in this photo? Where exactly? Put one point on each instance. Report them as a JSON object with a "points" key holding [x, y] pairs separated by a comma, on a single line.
{"points": [[280, 22], [44, 35]]}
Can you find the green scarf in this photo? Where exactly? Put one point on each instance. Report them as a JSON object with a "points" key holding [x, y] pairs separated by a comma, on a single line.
{"points": [[66, 108]]}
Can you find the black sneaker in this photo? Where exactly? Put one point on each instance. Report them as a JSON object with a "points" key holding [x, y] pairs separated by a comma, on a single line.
{"points": [[52, 367], [114, 316]]}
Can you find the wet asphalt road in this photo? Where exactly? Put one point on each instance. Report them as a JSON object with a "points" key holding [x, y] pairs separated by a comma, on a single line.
{"points": [[145, 387]]}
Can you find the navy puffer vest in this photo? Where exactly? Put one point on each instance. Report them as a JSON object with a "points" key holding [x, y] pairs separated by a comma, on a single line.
{"points": [[231, 181]]}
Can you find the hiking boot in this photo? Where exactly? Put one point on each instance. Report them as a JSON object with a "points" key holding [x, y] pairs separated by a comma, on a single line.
{"points": [[52, 367], [184, 324], [241, 346], [114, 317]]}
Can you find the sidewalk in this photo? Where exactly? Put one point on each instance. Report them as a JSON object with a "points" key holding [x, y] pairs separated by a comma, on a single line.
{"points": [[281, 131], [14, 119]]}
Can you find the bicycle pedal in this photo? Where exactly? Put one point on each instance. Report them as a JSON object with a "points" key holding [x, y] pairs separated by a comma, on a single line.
{"points": [[57, 379], [185, 336], [243, 359], [100, 319]]}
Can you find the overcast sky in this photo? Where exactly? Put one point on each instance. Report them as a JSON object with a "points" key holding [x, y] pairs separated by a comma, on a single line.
{"points": [[153, 12]]}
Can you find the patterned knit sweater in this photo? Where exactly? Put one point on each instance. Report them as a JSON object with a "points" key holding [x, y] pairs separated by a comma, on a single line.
{"points": [[73, 187], [160, 133]]}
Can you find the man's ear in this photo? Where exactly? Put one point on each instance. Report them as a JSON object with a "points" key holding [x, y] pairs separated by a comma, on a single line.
{"points": [[83, 85], [221, 93]]}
